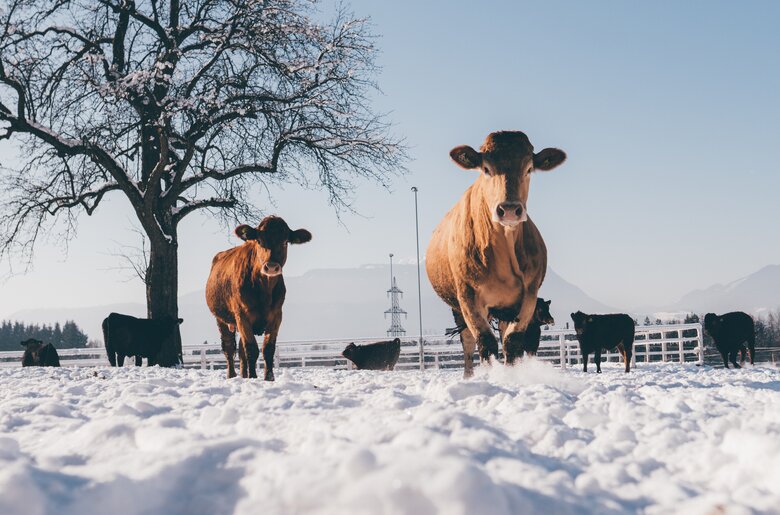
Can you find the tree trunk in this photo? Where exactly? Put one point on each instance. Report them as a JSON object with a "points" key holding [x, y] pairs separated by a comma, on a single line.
{"points": [[162, 285]]}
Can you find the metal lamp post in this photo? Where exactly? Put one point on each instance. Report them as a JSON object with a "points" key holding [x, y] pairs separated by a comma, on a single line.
{"points": [[419, 290]]}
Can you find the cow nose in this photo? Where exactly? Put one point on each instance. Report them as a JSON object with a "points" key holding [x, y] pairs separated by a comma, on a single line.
{"points": [[272, 268], [510, 212]]}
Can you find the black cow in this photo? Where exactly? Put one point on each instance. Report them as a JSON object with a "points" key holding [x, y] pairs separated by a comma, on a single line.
{"points": [[374, 356], [141, 337], [730, 333], [38, 354], [533, 333], [604, 332]]}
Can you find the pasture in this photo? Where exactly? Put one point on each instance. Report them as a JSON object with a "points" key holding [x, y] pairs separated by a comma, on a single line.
{"points": [[666, 438]]}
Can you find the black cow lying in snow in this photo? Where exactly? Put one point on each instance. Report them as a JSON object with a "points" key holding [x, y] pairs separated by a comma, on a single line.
{"points": [[374, 356], [731, 332], [38, 354], [604, 332], [141, 337]]}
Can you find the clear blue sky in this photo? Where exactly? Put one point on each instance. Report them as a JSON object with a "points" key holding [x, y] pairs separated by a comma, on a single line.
{"points": [[669, 112]]}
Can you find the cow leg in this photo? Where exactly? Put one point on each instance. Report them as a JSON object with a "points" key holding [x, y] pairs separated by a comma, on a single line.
{"points": [[509, 353], [477, 321], [584, 354], [513, 346], [626, 353], [248, 350], [120, 360], [269, 348], [469, 344], [733, 358], [242, 362], [112, 358], [597, 359], [228, 339], [515, 332], [725, 357], [139, 361]]}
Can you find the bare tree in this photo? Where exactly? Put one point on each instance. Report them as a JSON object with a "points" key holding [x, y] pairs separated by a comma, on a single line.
{"points": [[180, 106]]}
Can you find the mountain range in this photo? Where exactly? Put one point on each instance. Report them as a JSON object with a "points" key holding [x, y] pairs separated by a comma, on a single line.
{"points": [[756, 293], [350, 303], [327, 303]]}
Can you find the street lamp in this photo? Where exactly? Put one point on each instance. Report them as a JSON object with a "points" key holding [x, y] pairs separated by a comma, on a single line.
{"points": [[419, 291]]}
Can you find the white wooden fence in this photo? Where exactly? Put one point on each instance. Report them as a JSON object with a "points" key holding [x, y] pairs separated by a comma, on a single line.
{"points": [[680, 343]]}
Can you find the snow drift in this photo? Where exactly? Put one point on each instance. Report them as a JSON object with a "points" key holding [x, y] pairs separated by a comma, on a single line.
{"points": [[662, 439]]}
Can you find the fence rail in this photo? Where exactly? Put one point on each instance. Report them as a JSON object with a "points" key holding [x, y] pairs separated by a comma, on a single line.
{"points": [[680, 343]]}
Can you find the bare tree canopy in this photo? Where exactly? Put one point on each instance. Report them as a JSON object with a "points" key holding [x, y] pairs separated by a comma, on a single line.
{"points": [[180, 105]]}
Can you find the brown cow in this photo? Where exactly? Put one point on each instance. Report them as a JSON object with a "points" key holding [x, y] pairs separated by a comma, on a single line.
{"points": [[245, 291], [486, 259]]}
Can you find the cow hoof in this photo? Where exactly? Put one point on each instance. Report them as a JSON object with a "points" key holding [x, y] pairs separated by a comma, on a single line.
{"points": [[468, 374], [269, 376], [598, 371]]}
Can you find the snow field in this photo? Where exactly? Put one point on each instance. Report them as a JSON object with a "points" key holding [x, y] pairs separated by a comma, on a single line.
{"points": [[662, 439]]}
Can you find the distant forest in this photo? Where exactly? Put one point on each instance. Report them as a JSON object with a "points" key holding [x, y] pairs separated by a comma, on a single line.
{"points": [[66, 336]]}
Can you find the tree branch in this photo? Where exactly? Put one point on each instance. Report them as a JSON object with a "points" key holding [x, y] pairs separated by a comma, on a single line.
{"points": [[211, 203]]}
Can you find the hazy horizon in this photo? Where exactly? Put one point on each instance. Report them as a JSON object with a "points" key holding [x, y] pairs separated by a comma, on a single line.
{"points": [[668, 113]]}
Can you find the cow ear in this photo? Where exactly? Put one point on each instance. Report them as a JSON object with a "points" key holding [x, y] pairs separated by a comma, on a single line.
{"points": [[548, 159], [548, 302], [299, 236], [246, 232], [466, 157]]}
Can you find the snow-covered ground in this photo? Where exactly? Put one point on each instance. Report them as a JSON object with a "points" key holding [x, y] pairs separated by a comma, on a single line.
{"points": [[662, 439]]}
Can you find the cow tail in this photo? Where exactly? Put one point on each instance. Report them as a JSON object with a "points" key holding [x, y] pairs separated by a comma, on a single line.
{"points": [[452, 332]]}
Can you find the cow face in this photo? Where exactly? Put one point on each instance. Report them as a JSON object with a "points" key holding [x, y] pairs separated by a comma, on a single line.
{"points": [[272, 236], [543, 315], [33, 349], [506, 160], [581, 321], [711, 323], [349, 351]]}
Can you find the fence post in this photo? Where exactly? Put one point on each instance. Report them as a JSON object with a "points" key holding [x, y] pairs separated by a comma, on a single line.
{"points": [[203, 359], [562, 349], [664, 347], [681, 346], [436, 360], [700, 343]]}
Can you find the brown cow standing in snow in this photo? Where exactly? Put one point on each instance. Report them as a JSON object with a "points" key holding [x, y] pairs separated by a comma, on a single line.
{"points": [[486, 259], [245, 291]]}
